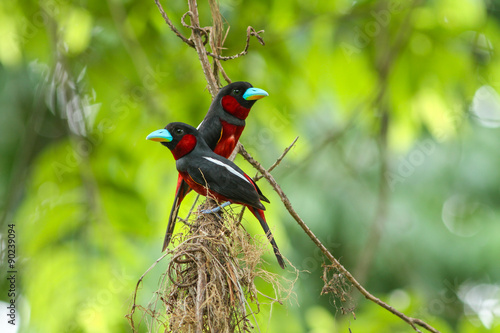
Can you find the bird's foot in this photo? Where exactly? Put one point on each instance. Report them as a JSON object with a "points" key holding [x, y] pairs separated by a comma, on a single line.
{"points": [[216, 209]]}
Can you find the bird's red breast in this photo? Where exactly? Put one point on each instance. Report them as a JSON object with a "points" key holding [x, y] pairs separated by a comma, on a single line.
{"points": [[231, 105], [201, 189], [230, 134], [185, 146]]}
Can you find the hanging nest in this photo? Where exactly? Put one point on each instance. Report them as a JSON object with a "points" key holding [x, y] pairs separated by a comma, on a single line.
{"points": [[209, 282]]}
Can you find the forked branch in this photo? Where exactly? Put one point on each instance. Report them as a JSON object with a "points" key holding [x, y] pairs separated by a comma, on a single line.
{"points": [[195, 42], [250, 32], [288, 205], [278, 161], [172, 26]]}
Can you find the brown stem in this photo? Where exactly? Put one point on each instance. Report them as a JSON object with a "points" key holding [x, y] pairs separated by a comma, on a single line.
{"points": [[172, 26], [411, 321], [278, 161], [134, 301], [200, 291], [200, 49], [250, 32], [215, 39]]}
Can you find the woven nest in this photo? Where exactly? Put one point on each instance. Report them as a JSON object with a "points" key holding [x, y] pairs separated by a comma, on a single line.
{"points": [[209, 282]]}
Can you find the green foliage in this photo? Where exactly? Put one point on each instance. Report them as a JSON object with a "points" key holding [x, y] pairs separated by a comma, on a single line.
{"points": [[90, 196]]}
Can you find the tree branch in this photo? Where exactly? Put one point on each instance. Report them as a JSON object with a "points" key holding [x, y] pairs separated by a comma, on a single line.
{"points": [[215, 39], [286, 202], [200, 291], [172, 26], [250, 32], [200, 49], [278, 161], [213, 36]]}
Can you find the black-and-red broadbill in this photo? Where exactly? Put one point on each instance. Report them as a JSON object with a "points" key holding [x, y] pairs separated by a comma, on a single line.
{"points": [[210, 174], [221, 129]]}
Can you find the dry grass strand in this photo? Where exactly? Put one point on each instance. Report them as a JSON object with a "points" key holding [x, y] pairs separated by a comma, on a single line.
{"points": [[209, 282]]}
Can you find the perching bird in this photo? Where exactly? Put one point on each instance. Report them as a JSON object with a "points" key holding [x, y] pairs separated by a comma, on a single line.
{"points": [[221, 129], [210, 174]]}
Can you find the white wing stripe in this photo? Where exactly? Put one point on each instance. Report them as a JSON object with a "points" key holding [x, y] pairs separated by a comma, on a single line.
{"points": [[229, 168]]}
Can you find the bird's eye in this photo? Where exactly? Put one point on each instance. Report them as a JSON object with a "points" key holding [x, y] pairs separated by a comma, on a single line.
{"points": [[236, 91], [178, 131]]}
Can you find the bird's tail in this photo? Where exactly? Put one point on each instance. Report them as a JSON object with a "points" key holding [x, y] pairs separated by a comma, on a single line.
{"points": [[182, 189], [259, 214]]}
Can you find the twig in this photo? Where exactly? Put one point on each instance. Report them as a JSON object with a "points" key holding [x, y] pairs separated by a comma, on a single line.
{"points": [[200, 49], [185, 220], [278, 161], [250, 32], [258, 176], [203, 31], [172, 27], [192, 42], [270, 298], [411, 321], [215, 38], [226, 77], [200, 292], [228, 80], [134, 303], [183, 20]]}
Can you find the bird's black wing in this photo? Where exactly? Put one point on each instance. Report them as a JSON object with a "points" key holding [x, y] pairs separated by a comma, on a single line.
{"points": [[211, 129], [225, 178]]}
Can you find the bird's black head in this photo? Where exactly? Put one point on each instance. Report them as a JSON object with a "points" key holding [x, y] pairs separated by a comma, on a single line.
{"points": [[238, 97], [180, 138], [178, 131]]}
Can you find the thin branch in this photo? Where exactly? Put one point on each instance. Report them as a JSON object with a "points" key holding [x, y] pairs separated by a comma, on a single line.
{"points": [[411, 321], [185, 220], [172, 26], [200, 292], [215, 40], [183, 20], [258, 176], [200, 49], [204, 31], [278, 161], [270, 298], [213, 35], [134, 302], [226, 77], [250, 32]]}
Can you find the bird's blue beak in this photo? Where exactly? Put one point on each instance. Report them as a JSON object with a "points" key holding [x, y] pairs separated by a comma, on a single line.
{"points": [[254, 94], [161, 135]]}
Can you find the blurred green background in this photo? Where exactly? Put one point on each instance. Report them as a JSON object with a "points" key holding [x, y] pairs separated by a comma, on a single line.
{"points": [[397, 168]]}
